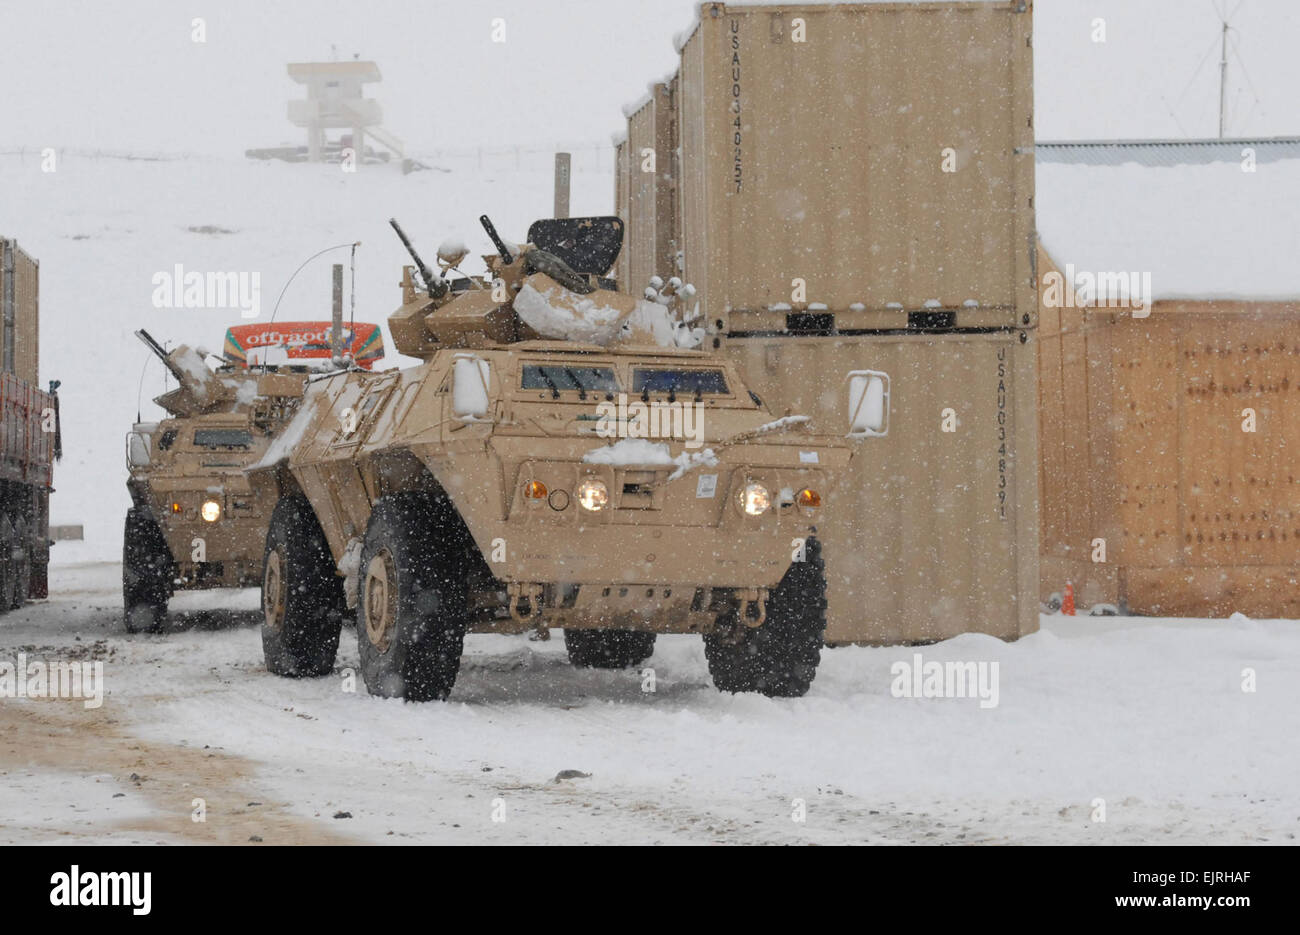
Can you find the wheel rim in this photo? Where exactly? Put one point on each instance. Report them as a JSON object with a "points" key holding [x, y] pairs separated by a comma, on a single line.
{"points": [[379, 597], [273, 591]]}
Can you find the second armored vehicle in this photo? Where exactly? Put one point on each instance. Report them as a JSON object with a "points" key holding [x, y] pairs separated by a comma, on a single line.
{"points": [[195, 521]]}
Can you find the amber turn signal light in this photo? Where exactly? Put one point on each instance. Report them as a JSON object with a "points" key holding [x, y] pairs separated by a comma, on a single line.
{"points": [[808, 499], [534, 490]]}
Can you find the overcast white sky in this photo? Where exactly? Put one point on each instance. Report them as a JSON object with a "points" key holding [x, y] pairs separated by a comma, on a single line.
{"points": [[126, 75]]}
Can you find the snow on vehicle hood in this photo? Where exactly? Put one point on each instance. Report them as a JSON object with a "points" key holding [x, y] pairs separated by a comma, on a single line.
{"points": [[640, 452]]}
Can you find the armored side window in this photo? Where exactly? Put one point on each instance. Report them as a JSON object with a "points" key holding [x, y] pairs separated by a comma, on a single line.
{"points": [[223, 438], [690, 382], [557, 377]]}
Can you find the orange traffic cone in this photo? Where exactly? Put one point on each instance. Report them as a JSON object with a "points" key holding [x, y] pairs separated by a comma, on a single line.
{"points": [[1067, 602]]}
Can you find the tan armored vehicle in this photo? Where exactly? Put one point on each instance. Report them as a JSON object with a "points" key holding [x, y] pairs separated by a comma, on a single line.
{"points": [[195, 521], [557, 459]]}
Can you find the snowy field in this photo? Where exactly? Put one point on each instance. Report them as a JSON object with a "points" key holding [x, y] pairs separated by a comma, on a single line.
{"points": [[1148, 715]]}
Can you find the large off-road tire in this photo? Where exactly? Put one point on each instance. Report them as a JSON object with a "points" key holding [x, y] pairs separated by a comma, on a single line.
{"points": [[22, 566], [21, 583], [780, 657], [411, 598], [302, 595], [147, 572], [9, 571], [608, 649], [8, 583]]}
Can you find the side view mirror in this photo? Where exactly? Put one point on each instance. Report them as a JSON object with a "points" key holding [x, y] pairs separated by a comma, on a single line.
{"points": [[137, 449], [868, 404], [469, 388]]}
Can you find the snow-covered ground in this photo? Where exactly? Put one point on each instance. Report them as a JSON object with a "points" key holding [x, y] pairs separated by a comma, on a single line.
{"points": [[1148, 715]]}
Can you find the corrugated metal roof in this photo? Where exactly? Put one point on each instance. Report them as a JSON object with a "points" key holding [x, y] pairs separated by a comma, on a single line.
{"points": [[1165, 152]]}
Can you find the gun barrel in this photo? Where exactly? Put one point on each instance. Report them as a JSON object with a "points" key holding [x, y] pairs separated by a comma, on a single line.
{"points": [[187, 366], [497, 242], [152, 344], [433, 284], [161, 353]]}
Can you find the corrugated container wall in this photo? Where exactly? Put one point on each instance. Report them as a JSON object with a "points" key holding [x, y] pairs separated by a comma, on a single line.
{"points": [[651, 240], [881, 154], [930, 533], [1161, 493], [855, 191], [19, 312], [621, 205]]}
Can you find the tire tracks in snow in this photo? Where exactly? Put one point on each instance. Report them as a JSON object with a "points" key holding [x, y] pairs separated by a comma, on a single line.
{"points": [[58, 737]]}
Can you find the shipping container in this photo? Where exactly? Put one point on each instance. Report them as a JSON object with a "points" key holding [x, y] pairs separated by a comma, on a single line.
{"points": [[1168, 470], [651, 241], [873, 161], [621, 205], [930, 533], [29, 438], [19, 299], [854, 190]]}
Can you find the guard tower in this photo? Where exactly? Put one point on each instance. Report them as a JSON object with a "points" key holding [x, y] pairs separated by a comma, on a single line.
{"points": [[335, 100]]}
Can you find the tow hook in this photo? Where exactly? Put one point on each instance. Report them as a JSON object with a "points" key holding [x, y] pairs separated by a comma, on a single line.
{"points": [[532, 593], [753, 606]]}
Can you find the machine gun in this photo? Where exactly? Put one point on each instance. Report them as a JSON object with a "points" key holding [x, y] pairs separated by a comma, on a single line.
{"points": [[434, 284], [200, 389]]}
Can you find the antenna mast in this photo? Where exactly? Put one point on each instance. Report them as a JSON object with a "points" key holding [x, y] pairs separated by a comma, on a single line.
{"points": [[1223, 80]]}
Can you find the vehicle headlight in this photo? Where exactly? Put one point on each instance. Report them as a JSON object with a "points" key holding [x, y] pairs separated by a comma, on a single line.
{"points": [[755, 499], [210, 511], [593, 494]]}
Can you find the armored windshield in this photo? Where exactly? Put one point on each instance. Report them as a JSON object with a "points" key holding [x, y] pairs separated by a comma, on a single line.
{"points": [[557, 377], [662, 380], [223, 438]]}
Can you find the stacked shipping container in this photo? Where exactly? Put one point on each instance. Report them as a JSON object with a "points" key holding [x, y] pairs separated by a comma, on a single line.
{"points": [[651, 201], [19, 300], [841, 201]]}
